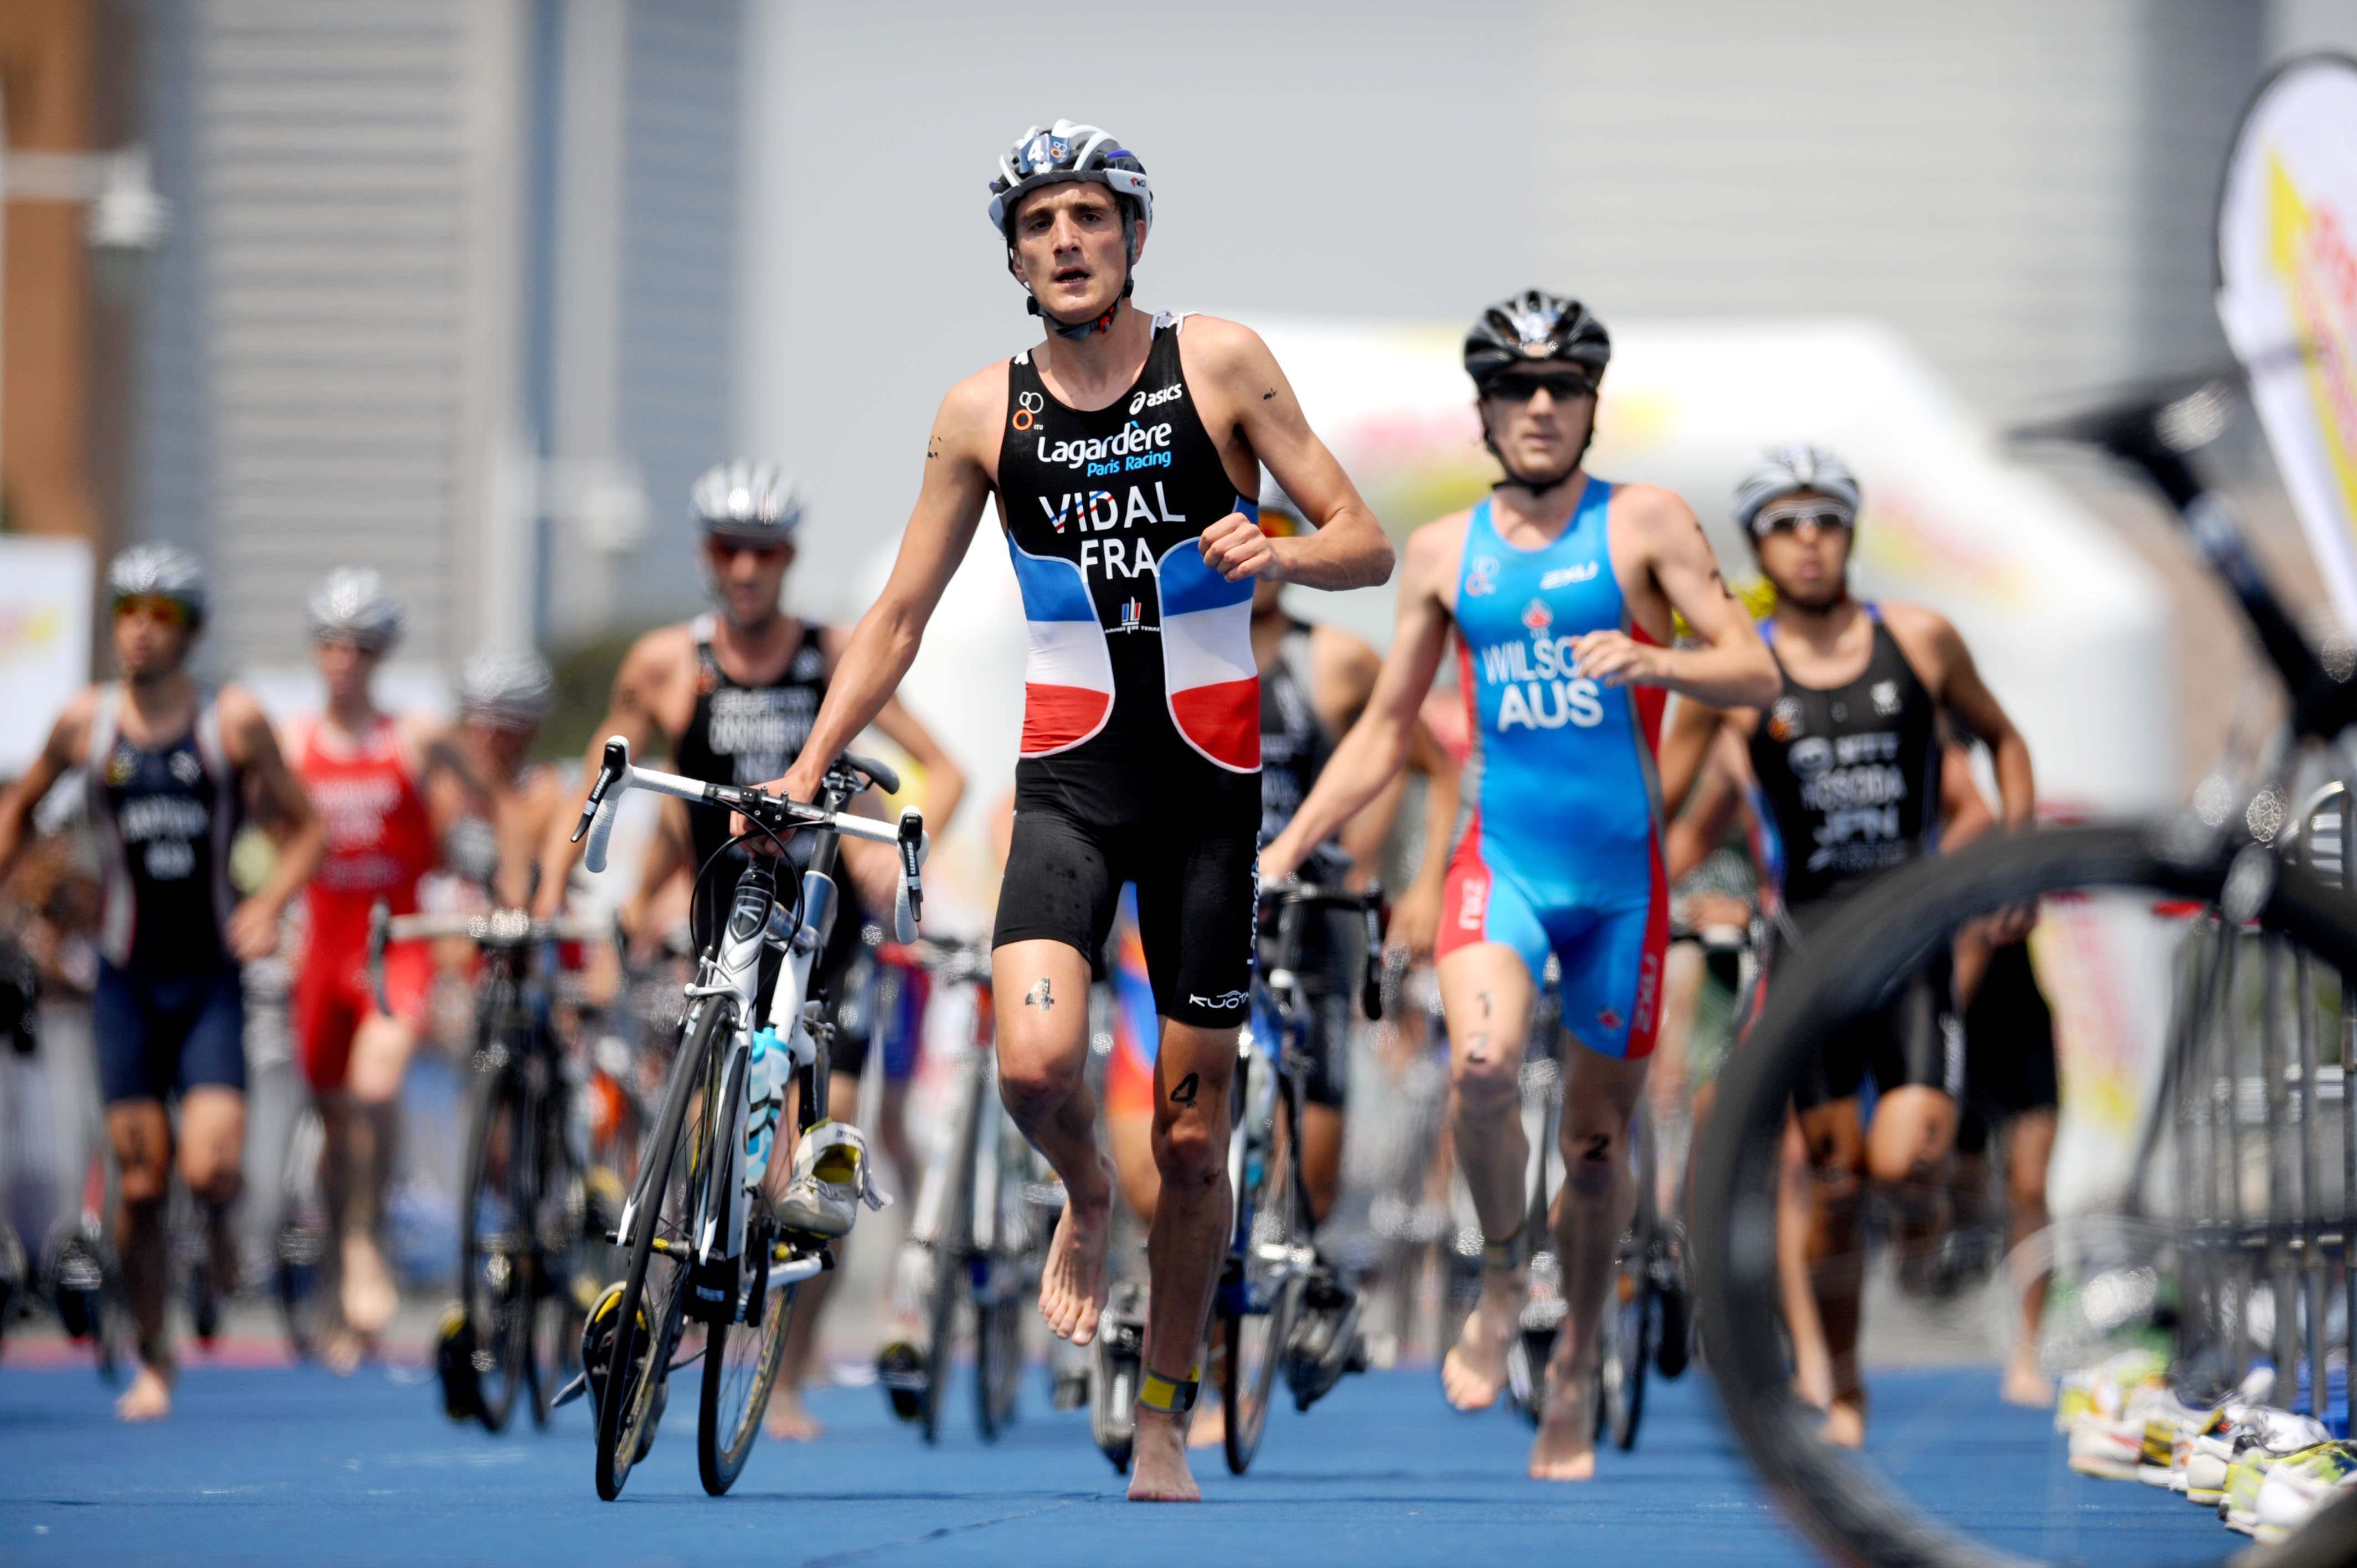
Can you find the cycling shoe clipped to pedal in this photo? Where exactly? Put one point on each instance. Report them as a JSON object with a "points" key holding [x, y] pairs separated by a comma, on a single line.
{"points": [[454, 1365], [900, 1373], [832, 1176], [1118, 1362]]}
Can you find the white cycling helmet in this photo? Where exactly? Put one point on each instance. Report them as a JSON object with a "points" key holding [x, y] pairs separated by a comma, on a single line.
{"points": [[507, 691], [166, 571], [1063, 152], [747, 499], [1784, 470], [353, 605]]}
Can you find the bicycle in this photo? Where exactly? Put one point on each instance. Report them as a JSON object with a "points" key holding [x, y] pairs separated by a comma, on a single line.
{"points": [[985, 1211], [522, 1217], [694, 1208], [2153, 1271], [1270, 1252]]}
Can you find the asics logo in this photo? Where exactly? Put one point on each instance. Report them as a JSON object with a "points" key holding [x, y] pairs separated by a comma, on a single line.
{"points": [[1146, 400]]}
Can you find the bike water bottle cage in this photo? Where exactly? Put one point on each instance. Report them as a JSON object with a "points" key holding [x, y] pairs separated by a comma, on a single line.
{"points": [[1158, 1392]]}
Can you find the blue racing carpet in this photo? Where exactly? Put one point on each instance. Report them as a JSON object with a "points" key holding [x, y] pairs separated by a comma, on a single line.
{"points": [[294, 1466]]}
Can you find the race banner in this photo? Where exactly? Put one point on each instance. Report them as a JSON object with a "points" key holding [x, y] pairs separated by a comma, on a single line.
{"points": [[2287, 294]]}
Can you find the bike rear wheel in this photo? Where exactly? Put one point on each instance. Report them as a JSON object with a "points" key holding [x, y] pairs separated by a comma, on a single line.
{"points": [[650, 1317], [740, 1359], [1848, 971], [495, 1262], [1261, 1307], [952, 1247], [1629, 1311]]}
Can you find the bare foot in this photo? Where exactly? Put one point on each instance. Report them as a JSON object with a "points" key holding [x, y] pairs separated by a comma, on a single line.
{"points": [[1474, 1372], [1565, 1449], [1845, 1424], [2024, 1383], [788, 1421], [370, 1297], [149, 1396], [1157, 1461], [1073, 1286], [341, 1352]]}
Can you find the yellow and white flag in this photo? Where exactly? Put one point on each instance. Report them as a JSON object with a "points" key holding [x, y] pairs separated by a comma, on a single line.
{"points": [[2287, 294]]}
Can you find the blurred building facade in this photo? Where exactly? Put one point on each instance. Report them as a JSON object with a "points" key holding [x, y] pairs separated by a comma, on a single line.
{"points": [[471, 288]]}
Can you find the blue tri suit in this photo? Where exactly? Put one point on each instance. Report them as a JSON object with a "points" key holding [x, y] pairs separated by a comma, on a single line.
{"points": [[1560, 846]]}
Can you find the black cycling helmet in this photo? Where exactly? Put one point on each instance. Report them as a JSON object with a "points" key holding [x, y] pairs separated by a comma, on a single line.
{"points": [[1058, 154], [1535, 328]]}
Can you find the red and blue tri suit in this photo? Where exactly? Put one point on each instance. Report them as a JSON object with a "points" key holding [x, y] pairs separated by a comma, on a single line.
{"points": [[1561, 847]]}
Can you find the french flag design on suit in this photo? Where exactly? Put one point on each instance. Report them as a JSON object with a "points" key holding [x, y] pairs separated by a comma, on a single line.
{"points": [[1208, 668], [1068, 674]]}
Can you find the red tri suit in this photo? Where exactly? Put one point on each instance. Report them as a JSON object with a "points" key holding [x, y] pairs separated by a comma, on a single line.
{"points": [[380, 839]]}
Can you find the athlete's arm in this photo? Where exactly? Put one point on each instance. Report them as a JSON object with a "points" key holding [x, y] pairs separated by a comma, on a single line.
{"points": [[69, 738], [1732, 667], [1693, 832], [1963, 692], [1376, 748], [1342, 671], [1239, 376], [253, 748], [1964, 813], [884, 644], [1416, 912], [630, 713], [1686, 747]]}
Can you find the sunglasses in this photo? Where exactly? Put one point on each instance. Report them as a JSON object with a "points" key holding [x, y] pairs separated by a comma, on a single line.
{"points": [[157, 607], [1786, 516], [1563, 387], [1278, 524], [720, 547]]}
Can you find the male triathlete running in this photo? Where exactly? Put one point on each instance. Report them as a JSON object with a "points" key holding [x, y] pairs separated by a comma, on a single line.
{"points": [[1561, 588], [1847, 759], [733, 694], [1313, 683], [170, 767], [1125, 452], [492, 805], [362, 769]]}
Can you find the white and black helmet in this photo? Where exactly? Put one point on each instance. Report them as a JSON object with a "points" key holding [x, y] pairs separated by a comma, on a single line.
{"points": [[507, 691], [1063, 152], [353, 605], [1789, 470], [166, 571], [747, 499]]}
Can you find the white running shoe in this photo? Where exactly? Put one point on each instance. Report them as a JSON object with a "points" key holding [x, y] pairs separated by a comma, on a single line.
{"points": [[2107, 1449], [832, 1176], [2298, 1485]]}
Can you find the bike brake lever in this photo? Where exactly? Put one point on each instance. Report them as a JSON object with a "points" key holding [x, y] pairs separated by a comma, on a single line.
{"points": [[909, 908], [612, 769]]}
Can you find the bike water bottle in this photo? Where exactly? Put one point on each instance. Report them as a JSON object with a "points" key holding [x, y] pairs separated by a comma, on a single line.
{"points": [[766, 1074]]}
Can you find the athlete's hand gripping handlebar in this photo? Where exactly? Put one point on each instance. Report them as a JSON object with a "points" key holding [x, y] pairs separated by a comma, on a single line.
{"points": [[616, 774]]}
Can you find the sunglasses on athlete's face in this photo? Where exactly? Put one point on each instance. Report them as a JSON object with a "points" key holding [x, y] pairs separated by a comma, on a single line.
{"points": [[162, 611], [1561, 387], [722, 548], [1788, 516]]}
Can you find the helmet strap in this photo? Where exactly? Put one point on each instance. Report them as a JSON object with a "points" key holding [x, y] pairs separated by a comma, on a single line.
{"points": [[1538, 487], [1093, 326]]}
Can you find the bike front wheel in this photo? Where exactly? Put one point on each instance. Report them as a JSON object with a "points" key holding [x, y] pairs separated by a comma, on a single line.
{"points": [[650, 1319], [495, 1262], [1260, 1304], [2113, 900]]}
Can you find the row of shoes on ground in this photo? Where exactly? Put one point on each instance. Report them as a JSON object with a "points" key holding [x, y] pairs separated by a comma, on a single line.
{"points": [[2266, 1470]]}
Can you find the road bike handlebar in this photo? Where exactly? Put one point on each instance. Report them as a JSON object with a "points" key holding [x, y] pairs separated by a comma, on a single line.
{"points": [[498, 929], [1369, 905], [617, 775]]}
